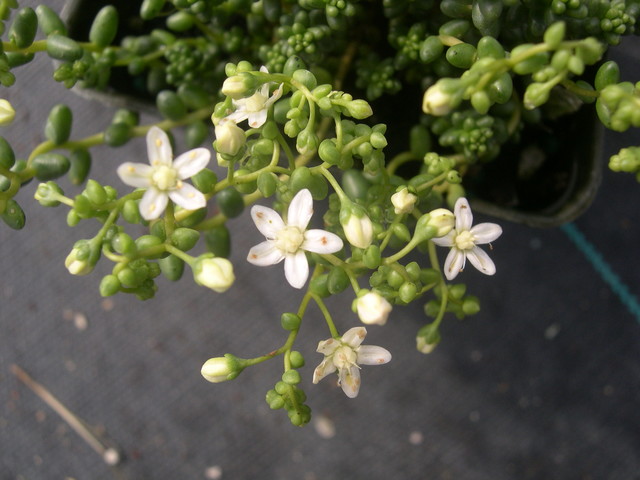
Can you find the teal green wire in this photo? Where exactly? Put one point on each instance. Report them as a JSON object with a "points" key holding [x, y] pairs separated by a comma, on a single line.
{"points": [[602, 267]]}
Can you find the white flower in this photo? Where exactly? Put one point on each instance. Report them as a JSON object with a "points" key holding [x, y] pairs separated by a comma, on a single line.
{"points": [[345, 355], [403, 201], [463, 240], [163, 179], [373, 308], [288, 241], [255, 107], [215, 273]]}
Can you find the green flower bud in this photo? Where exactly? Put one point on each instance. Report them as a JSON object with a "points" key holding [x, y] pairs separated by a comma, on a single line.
{"points": [[408, 292], [296, 359], [291, 377], [95, 192], [170, 105], [221, 369], [49, 166], [13, 215], [195, 134], [82, 257], [229, 138], [307, 141], [356, 224], [401, 231], [354, 184], [126, 116], [328, 152], [172, 267], [73, 218], [109, 285], [24, 27], [290, 321], [131, 212], [104, 26], [359, 109], [470, 305], [318, 285], [213, 272], [535, 95], [48, 194], [123, 244], [529, 64], [7, 113], [428, 338], [63, 48], [49, 21]]}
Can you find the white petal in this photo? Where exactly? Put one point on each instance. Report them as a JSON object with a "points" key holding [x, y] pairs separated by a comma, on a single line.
{"points": [[373, 355], [135, 174], [158, 147], [481, 261], [464, 217], [447, 241], [485, 233], [153, 203], [321, 241], [265, 254], [264, 69], [267, 220], [454, 263], [350, 381], [257, 119], [325, 368], [237, 116], [191, 162], [277, 93], [188, 197], [327, 347], [354, 336], [300, 210], [296, 269]]}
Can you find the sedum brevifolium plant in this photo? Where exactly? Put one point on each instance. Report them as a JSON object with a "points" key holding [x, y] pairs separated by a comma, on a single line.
{"points": [[373, 114]]}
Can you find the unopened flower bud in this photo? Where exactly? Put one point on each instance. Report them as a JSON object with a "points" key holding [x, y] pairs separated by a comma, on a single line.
{"points": [[373, 308], [443, 220], [239, 86], [7, 113], [214, 272], [428, 338], [356, 224], [403, 201], [436, 102], [229, 138], [359, 109], [221, 369], [82, 258]]}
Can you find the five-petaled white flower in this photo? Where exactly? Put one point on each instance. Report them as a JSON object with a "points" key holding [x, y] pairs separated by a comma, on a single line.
{"points": [[463, 240], [255, 108], [345, 354], [288, 241], [163, 179]]}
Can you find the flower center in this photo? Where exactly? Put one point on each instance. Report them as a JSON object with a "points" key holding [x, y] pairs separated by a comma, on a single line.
{"points": [[344, 357], [465, 240], [164, 178], [255, 102], [289, 239]]}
